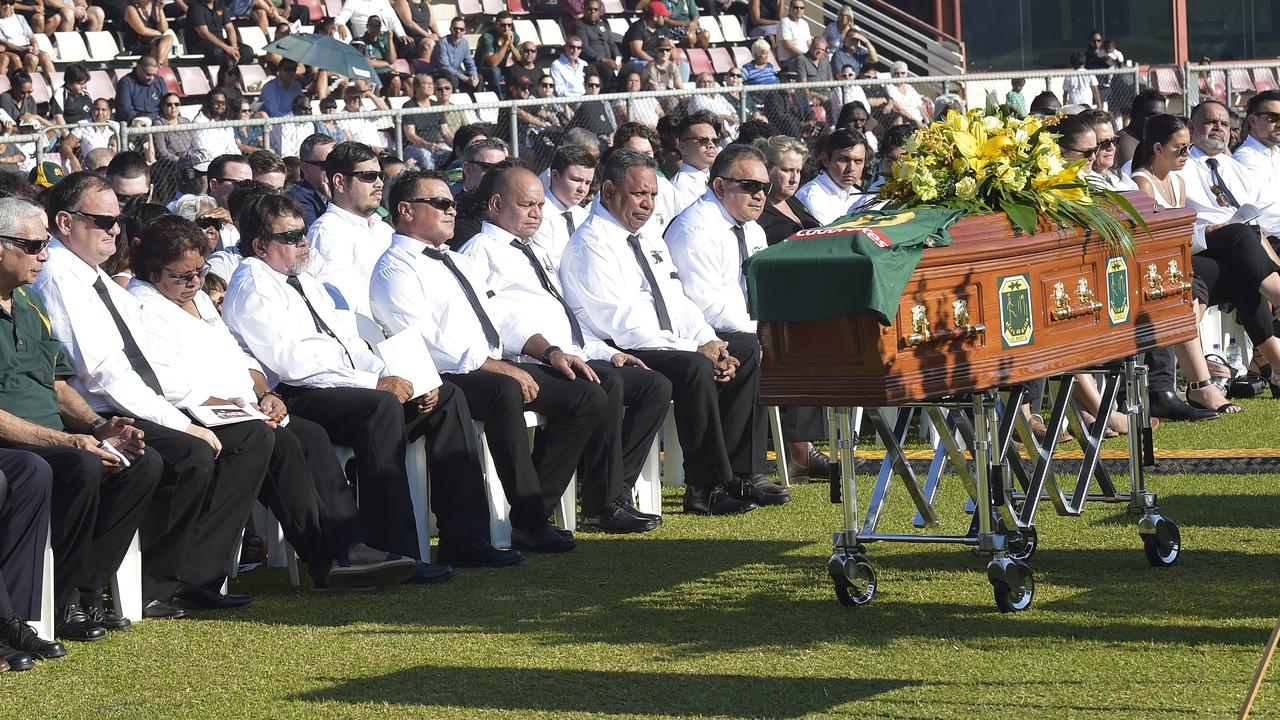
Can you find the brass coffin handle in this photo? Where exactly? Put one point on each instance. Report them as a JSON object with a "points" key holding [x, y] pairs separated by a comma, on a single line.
{"points": [[1086, 303], [1157, 286], [963, 328]]}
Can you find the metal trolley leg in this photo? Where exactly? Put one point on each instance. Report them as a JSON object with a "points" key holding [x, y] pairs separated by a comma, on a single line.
{"points": [[851, 573], [1011, 579], [1161, 539]]}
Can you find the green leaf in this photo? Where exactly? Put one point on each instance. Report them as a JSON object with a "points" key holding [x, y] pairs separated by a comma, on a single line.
{"points": [[1022, 216]]}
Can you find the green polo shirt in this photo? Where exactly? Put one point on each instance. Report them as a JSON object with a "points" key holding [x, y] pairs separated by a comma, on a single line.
{"points": [[30, 359]]}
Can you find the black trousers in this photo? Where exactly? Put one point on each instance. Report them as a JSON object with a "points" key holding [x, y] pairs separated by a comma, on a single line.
{"points": [[720, 426], [26, 482], [802, 424], [1230, 269], [617, 451], [372, 423], [534, 481], [95, 515], [308, 493]]}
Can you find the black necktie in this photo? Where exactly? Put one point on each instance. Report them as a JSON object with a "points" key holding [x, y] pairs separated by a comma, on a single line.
{"points": [[742, 247], [1217, 179], [659, 305], [574, 327], [490, 332], [568, 219], [321, 325], [131, 350]]}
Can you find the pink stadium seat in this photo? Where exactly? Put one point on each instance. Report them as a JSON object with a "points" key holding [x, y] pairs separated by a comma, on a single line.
{"points": [[493, 7], [613, 7], [4, 83], [516, 7], [1263, 80], [741, 55], [402, 67], [101, 85], [333, 6], [315, 9], [193, 81], [721, 59], [40, 89], [468, 7], [698, 62], [1167, 81], [1240, 80], [252, 76], [171, 80], [121, 72]]}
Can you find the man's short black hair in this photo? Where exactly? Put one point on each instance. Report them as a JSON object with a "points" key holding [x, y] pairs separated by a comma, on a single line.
{"points": [[129, 164], [75, 74], [245, 193], [1256, 101], [218, 166], [1206, 103], [308, 149], [568, 155], [702, 117], [841, 139], [265, 161], [751, 130], [68, 193], [896, 137], [406, 187], [345, 156], [628, 130], [256, 218], [731, 155], [1046, 103]]}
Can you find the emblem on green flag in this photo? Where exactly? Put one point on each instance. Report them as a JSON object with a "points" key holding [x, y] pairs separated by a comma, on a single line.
{"points": [[1016, 326], [1117, 290]]}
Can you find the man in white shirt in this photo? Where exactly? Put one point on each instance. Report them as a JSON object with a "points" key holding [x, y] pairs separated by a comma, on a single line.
{"points": [[478, 158], [572, 170], [1260, 155], [569, 69], [420, 283], [223, 173], [526, 284], [201, 506], [710, 241], [350, 236], [793, 32], [623, 287], [1217, 184], [644, 139], [327, 374], [837, 190], [698, 143]]}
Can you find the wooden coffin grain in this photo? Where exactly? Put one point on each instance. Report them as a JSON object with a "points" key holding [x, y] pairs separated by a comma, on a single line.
{"points": [[856, 361]]}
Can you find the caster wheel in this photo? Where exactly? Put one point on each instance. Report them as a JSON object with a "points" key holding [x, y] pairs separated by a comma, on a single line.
{"points": [[857, 584], [1162, 547], [1021, 544], [1017, 591]]}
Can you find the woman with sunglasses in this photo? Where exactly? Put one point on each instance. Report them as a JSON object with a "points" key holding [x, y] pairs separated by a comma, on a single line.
{"points": [[198, 362], [172, 145], [209, 143], [1166, 143], [1104, 172]]}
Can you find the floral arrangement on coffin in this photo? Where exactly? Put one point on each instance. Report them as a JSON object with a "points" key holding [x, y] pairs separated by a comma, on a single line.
{"points": [[984, 163]]}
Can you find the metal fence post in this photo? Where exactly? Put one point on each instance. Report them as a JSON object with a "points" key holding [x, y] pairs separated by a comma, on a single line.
{"points": [[398, 124], [513, 124], [122, 136], [742, 106]]}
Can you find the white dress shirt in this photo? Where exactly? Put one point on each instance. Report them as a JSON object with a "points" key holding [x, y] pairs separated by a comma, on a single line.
{"points": [[553, 234], [209, 143], [348, 246], [608, 291], [527, 304], [195, 358], [94, 346], [664, 210], [272, 321], [224, 262], [1262, 166], [827, 202], [705, 251], [570, 78], [1199, 179], [689, 184], [411, 290]]}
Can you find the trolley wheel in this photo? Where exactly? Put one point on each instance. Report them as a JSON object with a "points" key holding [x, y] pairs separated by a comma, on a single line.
{"points": [[1162, 547], [1020, 544], [1017, 591], [857, 584]]}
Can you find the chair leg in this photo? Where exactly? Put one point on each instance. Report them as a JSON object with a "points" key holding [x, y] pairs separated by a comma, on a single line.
{"points": [[47, 624], [415, 463], [126, 586], [567, 508], [672, 454], [779, 445], [499, 511], [648, 491]]}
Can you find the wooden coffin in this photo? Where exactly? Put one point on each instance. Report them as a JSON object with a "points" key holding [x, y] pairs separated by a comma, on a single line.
{"points": [[991, 310]]}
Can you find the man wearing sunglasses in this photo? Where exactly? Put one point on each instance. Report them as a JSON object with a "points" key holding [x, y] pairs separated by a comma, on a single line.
{"points": [[495, 48], [328, 375], [528, 287], [569, 69], [598, 44], [42, 414], [1260, 155], [224, 172], [622, 285], [477, 159], [699, 143], [312, 192], [130, 178], [710, 242], [837, 190], [350, 236], [201, 504]]}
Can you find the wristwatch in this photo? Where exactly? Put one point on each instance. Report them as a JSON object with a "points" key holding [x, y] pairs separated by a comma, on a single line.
{"points": [[546, 356], [93, 426]]}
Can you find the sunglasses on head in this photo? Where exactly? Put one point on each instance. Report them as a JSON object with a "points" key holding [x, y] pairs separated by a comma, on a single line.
{"points": [[288, 237], [750, 187], [368, 176], [207, 223], [443, 204], [103, 222], [27, 245], [187, 278]]}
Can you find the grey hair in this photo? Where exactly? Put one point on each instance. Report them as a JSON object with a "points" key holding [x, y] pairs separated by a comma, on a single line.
{"points": [[189, 206], [760, 47], [14, 211], [472, 152], [620, 163], [583, 138], [775, 147], [898, 65]]}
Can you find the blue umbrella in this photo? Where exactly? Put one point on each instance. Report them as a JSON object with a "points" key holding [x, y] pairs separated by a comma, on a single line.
{"points": [[325, 53]]}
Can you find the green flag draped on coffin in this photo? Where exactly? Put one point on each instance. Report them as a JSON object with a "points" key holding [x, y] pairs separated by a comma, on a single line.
{"points": [[859, 263]]}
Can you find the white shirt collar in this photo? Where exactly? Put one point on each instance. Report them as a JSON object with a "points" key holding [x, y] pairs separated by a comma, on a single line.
{"points": [[350, 217], [413, 245], [710, 197], [830, 186], [79, 269], [497, 233], [611, 223], [687, 168], [1252, 143]]}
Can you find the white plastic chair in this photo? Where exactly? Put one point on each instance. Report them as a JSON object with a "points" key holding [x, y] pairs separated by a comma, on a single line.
{"points": [[673, 455], [71, 47], [126, 586], [46, 624], [415, 463]]}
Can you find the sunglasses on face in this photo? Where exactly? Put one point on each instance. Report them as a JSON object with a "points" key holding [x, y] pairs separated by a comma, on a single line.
{"points": [[126, 199], [482, 164], [103, 222], [187, 278], [369, 176], [288, 237], [750, 187], [1270, 116], [443, 204], [1106, 144], [209, 223], [1087, 152], [704, 142], [27, 245], [173, 104], [1182, 150]]}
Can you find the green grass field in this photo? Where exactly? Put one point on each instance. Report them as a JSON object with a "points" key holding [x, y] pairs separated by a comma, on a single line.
{"points": [[735, 617]]}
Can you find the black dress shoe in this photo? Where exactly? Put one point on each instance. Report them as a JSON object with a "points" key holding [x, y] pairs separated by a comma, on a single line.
{"points": [[161, 610], [634, 511], [426, 573], [75, 624], [1166, 405], [546, 539], [759, 490], [106, 619], [209, 600], [478, 554], [21, 638], [714, 501], [616, 519], [15, 660], [367, 572]]}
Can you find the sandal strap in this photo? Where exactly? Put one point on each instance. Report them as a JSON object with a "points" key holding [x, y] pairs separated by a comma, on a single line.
{"points": [[1199, 384]]}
